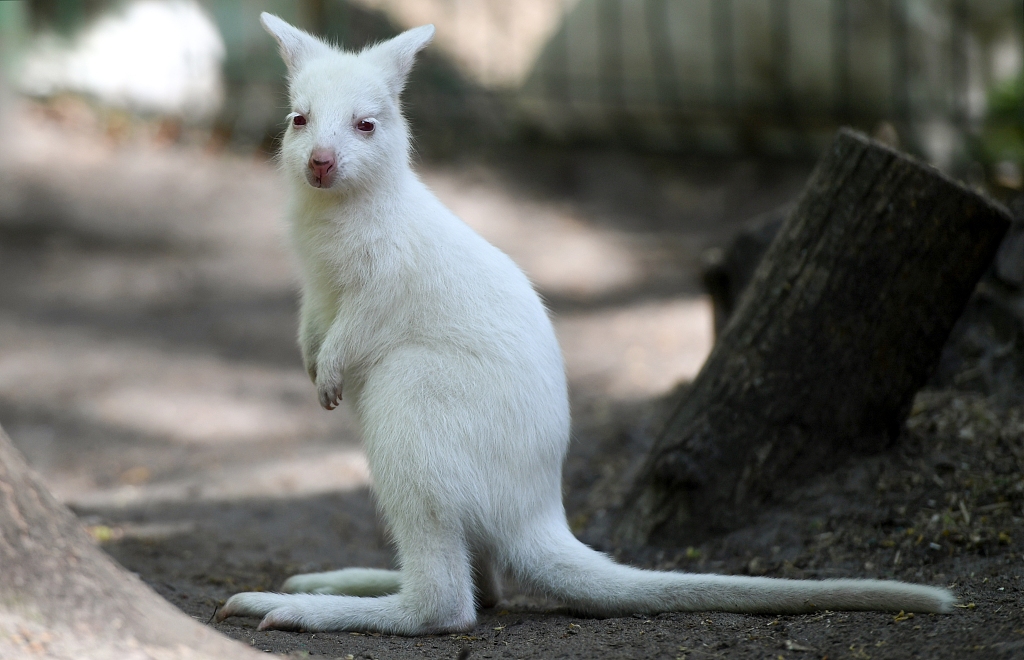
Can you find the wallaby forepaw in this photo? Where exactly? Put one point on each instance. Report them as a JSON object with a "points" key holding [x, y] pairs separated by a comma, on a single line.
{"points": [[329, 391]]}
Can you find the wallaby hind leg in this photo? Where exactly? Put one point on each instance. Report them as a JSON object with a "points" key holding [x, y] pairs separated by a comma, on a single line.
{"points": [[436, 594], [346, 582]]}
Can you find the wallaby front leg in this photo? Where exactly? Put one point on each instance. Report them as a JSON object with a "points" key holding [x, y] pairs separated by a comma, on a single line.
{"points": [[315, 317], [329, 365]]}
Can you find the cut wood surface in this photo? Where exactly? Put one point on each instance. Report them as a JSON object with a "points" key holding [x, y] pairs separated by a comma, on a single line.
{"points": [[63, 597], [843, 322]]}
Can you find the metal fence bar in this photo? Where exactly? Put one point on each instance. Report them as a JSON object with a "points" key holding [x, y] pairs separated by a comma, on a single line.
{"points": [[611, 85], [841, 58], [900, 68], [556, 71], [958, 42], [781, 59], [725, 61], [666, 76]]}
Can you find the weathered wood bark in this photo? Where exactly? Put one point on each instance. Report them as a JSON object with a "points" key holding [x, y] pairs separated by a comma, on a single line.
{"points": [[62, 597], [840, 326]]}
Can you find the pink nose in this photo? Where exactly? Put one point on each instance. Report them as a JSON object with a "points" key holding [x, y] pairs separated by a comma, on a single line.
{"points": [[321, 165]]}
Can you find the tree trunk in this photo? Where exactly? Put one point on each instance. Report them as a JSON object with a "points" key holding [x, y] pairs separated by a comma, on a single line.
{"points": [[61, 596], [842, 323]]}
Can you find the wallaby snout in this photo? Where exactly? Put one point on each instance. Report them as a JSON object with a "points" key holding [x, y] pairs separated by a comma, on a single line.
{"points": [[322, 168]]}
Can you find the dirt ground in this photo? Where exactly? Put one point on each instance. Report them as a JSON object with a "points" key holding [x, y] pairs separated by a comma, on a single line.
{"points": [[148, 371]]}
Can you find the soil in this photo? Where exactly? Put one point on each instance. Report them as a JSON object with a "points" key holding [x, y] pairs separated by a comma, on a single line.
{"points": [[148, 371]]}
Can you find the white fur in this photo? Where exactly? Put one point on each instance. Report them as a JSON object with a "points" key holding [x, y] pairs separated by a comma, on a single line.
{"points": [[450, 361]]}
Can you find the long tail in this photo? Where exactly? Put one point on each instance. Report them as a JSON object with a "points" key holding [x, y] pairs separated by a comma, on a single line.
{"points": [[555, 563]]}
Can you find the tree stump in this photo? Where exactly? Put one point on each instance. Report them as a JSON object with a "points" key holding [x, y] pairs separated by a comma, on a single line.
{"points": [[842, 323], [61, 596]]}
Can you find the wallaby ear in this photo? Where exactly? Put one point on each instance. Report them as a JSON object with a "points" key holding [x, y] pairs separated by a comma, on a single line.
{"points": [[397, 55], [296, 45]]}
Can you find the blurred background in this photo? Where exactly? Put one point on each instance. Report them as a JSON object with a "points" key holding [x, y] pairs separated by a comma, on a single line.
{"points": [[147, 299], [725, 77]]}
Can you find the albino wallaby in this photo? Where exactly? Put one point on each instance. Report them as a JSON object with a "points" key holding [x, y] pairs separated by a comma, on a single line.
{"points": [[449, 360]]}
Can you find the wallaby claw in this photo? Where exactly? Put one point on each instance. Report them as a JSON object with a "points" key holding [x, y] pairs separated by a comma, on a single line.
{"points": [[330, 395]]}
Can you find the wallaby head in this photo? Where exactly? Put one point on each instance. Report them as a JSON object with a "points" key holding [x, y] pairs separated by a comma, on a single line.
{"points": [[346, 129]]}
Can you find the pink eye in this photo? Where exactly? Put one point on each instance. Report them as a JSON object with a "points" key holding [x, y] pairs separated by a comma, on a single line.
{"points": [[298, 120], [366, 125]]}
